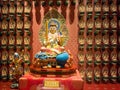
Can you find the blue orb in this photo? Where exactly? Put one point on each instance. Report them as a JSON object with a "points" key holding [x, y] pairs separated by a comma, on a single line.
{"points": [[62, 58]]}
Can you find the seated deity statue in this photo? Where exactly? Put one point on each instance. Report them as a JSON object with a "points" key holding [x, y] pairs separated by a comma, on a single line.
{"points": [[53, 39], [52, 58]]}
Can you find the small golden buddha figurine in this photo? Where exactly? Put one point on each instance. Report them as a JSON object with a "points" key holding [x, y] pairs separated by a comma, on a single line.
{"points": [[90, 23], [98, 39], [81, 38], [81, 56], [82, 23], [113, 54], [4, 40], [26, 56], [89, 38], [19, 40], [113, 22], [5, 9], [12, 8], [105, 55], [97, 73], [105, 38], [81, 7], [12, 23], [11, 55], [19, 7], [4, 24], [97, 7], [27, 7], [11, 40], [113, 73], [4, 72], [89, 74], [10, 72], [27, 40], [19, 23], [4, 55], [105, 7], [27, 23], [106, 23], [97, 55], [98, 23], [113, 38], [89, 55], [82, 72], [89, 7], [105, 72], [113, 7]]}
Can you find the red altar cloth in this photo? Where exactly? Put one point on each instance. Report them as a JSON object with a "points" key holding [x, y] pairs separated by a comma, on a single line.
{"points": [[30, 82]]}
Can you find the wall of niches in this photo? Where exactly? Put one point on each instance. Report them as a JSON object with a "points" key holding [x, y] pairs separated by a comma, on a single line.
{"points": [[15, 32], [99, 40]]}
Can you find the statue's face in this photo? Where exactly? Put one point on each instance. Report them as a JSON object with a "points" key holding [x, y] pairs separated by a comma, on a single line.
{"points": [[53, 29]]}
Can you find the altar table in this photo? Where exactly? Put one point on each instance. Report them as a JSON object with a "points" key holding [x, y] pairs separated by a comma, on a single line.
{"points": [[31, 82]]}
